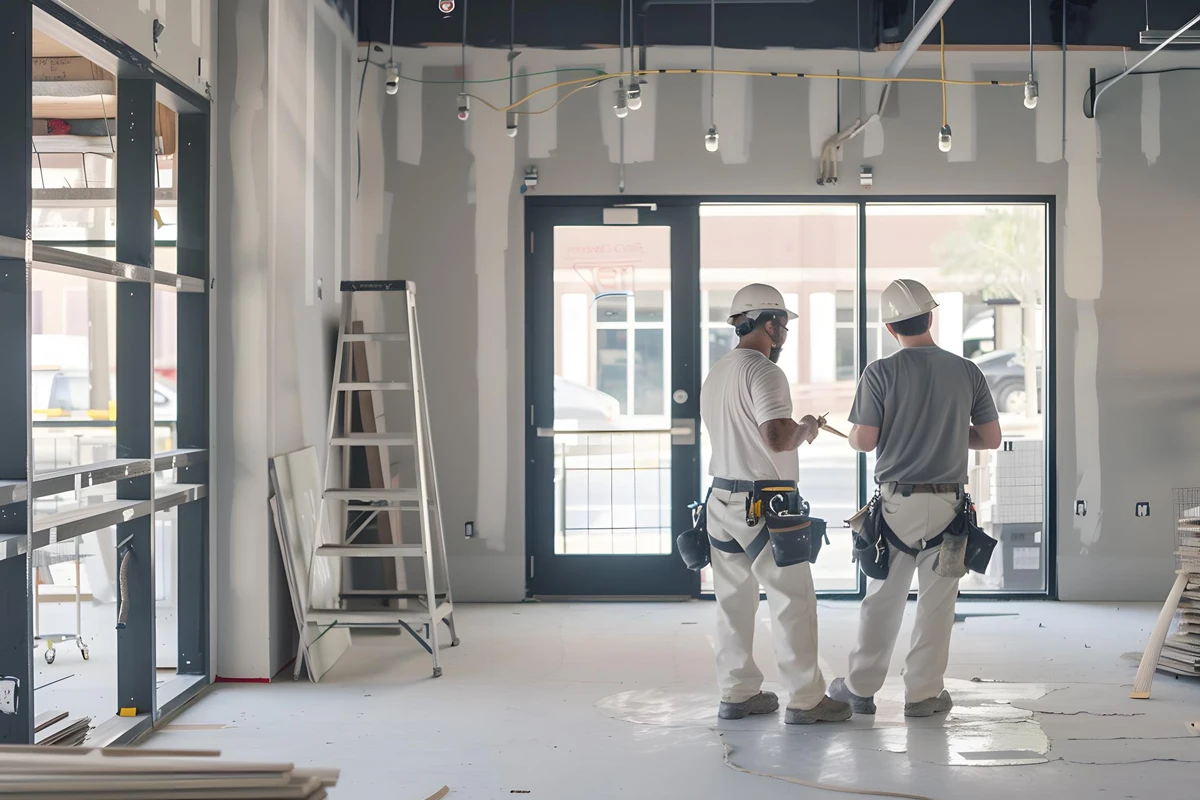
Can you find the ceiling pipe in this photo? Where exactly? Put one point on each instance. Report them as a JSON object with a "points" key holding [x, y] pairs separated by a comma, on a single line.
{"points": [[908, 48], [1114, 81]]}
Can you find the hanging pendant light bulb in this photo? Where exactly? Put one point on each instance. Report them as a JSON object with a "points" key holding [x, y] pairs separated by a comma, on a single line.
{"points": [[510, 125], [464, 107], [634, 97], [1031, 93], [712, 139], [944, 139], [391, 78], [621, 106]]}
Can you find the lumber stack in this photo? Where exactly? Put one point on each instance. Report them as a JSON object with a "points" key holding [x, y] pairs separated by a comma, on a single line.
{"points": [[41, 773], [55, 728], [1181, 651]]}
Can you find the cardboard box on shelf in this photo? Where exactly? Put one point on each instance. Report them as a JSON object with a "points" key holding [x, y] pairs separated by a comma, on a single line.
{"points": [[67, 68]]}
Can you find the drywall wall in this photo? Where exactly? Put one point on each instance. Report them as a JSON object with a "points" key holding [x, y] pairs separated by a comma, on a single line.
{"points": [[1128, 406], [283, 221], [186, 44]]}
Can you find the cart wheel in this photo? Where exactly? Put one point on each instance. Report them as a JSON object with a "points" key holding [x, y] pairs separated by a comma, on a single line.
{"points": [[437, 672], [50, 656], [86, 654], [455, 642]]}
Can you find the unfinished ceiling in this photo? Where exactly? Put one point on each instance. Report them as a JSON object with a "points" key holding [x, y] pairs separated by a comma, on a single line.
{"points": [[753, 24]]}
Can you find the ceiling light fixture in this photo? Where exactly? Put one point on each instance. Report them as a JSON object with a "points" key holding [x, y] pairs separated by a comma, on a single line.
{"points": [[634, 97], [712, 139], [391, 80], [944, 142], [1031, 87], [464, 100], [621, 106]]}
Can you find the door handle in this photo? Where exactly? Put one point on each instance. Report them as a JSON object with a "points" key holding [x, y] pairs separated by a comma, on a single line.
{"points": [[683, 431]]}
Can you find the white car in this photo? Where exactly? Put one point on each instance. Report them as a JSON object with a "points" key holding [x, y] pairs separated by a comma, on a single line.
{"points": [[577, 402]]}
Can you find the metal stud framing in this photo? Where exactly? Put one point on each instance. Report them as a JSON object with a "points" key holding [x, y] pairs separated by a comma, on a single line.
{"points": [[139, 90]]}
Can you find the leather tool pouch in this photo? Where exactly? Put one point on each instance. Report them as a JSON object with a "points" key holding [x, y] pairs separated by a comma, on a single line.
{"points": [[870, 549], [796, 536], [693, 543], [979, 544]]}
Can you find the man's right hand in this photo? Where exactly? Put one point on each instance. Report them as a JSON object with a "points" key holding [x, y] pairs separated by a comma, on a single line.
{"points": [[812, 426]]}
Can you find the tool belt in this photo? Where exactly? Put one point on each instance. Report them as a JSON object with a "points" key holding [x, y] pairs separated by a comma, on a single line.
{"points": [[794, 535], [874, 538]]}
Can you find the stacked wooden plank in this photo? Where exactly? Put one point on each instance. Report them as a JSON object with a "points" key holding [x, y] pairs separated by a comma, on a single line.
{"points": [[40, 773], [1181, 651], [55, 729]]}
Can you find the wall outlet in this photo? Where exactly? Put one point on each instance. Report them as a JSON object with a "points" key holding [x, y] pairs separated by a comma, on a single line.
{"points": [[469, 530], [1080, 508], [1142, 510], [8, 695]]}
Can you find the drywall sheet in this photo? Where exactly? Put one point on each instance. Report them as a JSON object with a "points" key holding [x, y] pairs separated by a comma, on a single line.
{"points": [[541, 130], [1151, 115], [296, 479], [409, 115], [492, 176]]}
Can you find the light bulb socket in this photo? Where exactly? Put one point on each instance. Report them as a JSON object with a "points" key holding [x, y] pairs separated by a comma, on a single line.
{"points": [[464, 107], [944, 141], [1031, 93], [712, 139], [510, 124], [634, 97], [621, 106], [391, 80]]}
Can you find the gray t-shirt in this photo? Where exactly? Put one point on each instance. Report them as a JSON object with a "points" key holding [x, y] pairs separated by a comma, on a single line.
{"points": [[924, 401]]}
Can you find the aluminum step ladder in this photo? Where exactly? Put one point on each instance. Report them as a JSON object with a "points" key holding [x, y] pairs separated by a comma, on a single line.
{"points": [[356, 506]]}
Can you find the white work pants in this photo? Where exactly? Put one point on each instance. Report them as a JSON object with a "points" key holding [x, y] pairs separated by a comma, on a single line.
{"points": [[793, 606], [912, 518]]}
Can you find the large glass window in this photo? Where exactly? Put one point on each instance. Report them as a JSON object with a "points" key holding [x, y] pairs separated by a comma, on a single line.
{"points": [[986, 266]]}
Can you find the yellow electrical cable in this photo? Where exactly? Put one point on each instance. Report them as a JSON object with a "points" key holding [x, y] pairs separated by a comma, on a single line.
{"points": [[942, 49], [596, 79]]}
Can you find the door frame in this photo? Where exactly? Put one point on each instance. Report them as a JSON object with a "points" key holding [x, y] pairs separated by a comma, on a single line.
{"points": [[533, 205], [629, 576]]}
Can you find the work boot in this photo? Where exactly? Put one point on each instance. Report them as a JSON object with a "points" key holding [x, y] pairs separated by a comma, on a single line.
{"points": [[761, 703], [838, 690], [927, 708], [828, 710]]}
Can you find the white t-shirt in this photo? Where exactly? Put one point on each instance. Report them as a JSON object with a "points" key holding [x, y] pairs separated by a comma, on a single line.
{"points": [[742, 391]]}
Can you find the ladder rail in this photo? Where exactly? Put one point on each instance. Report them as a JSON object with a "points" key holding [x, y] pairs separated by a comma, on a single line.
{"points": [[421, 430], [443, 558]]}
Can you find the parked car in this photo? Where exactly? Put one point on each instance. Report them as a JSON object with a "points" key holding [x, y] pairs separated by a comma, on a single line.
{"points": [[575, 401], [1005, 374], [67, 393]]}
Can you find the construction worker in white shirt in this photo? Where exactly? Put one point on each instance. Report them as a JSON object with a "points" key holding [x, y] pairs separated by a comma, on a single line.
{"points": [[921, 410], [746, 406]]}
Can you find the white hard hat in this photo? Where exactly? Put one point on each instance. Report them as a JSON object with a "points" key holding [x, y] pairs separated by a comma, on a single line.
{"points": [[905, 299], [757, 297]]}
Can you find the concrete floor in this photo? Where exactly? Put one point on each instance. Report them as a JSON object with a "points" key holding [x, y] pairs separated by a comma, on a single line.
{"points": [[617, 700]]}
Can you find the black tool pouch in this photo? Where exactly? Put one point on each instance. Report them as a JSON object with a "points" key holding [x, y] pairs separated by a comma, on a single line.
{"points": [[693, 543], [796, 536], [979, 544], [871, 550]]}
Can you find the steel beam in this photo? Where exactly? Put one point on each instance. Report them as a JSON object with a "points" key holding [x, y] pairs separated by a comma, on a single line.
{"points": [[192, 391], [135, 389], [16, 590]]}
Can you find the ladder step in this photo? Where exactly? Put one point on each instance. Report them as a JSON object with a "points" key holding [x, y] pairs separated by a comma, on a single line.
{"points": [[383, 617], [370, 550], [374, 337], [374, 386], [372, 439], [386, 495]]}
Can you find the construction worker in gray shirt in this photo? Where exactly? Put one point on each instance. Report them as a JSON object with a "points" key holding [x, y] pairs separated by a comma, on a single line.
{"points": [[921, 409]]}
